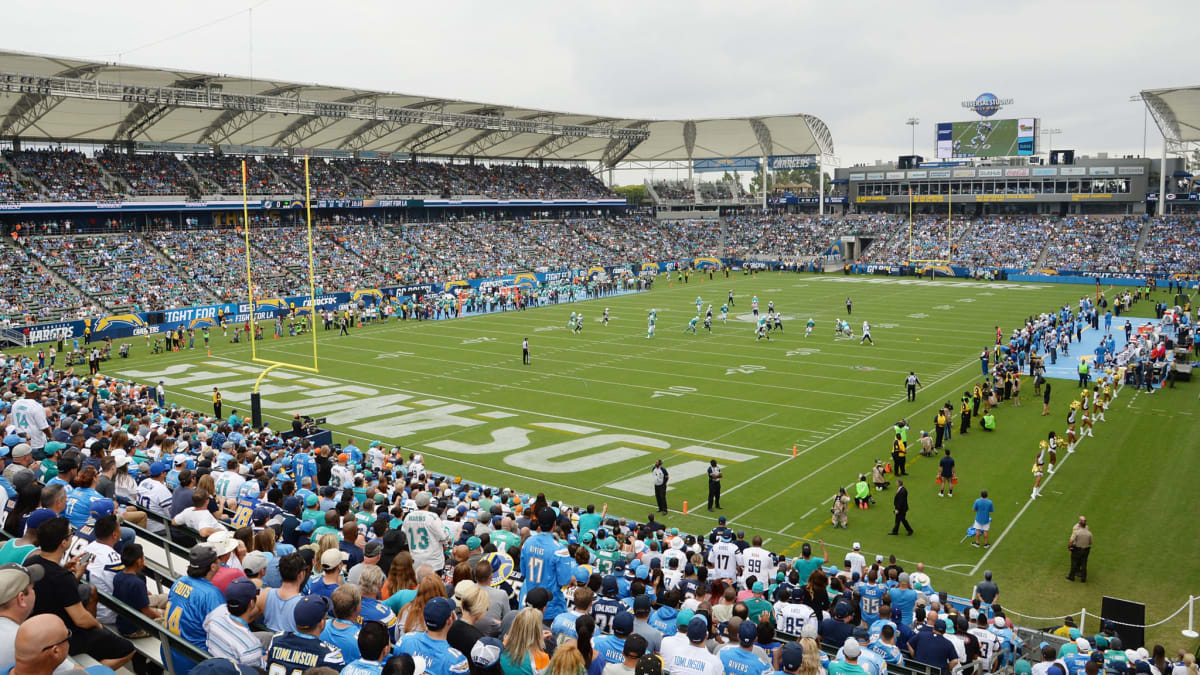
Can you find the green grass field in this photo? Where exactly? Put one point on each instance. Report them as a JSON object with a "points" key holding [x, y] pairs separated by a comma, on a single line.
{"points": [[585, 422]]}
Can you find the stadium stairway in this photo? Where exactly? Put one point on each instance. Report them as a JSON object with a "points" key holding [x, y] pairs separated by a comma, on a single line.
{"points": [[114, 183], [31, 183], [1143, 237]]}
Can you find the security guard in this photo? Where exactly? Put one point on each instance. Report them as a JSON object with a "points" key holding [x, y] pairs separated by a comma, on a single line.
{"points": [[899, 456], [216, 403], [714, 485], [1080, 545]]}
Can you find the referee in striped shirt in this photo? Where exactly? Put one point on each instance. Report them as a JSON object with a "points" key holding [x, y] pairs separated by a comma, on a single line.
{"points": [[911, 383]]}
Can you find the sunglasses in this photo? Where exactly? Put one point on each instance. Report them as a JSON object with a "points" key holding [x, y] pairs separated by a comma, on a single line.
{"points": [[49, 647]]}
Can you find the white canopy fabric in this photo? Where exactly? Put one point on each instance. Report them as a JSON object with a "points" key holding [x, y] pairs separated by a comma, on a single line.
{"points": [[72, 100]]}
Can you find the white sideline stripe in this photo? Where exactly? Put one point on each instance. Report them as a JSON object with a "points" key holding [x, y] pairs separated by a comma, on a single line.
{"points": [[839, 457], [1031, 500]]}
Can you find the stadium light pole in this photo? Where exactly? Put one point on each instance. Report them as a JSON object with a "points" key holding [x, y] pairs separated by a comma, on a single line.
{"points": [[1137, 98], [913, 122], [1051, 133]]}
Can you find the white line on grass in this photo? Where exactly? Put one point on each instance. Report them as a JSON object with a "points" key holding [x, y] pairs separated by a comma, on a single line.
{"points": [[747, 424], [1028, 502], [839, 457]]}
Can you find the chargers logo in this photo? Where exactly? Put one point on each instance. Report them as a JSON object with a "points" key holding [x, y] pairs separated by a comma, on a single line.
{"points": [[120, 321], [456, 284], [1044, 272], [704, 263], [274, 303], [647, 267], [526, 279], [367, 293], [592, 271], [199, 323]]}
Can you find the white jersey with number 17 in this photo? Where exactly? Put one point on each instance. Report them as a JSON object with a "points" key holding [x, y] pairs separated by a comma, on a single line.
{"points": [[724, 559]]}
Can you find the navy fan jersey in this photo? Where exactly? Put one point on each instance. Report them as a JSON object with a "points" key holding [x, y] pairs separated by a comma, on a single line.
{"points": [[604, 610], [293, 653]]}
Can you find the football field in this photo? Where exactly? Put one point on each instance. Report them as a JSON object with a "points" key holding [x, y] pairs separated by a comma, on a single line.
{"points": [[789, 420]]}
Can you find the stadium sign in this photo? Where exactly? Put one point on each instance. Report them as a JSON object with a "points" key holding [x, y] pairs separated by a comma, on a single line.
{"points": [[789, 162], [987, 104]]}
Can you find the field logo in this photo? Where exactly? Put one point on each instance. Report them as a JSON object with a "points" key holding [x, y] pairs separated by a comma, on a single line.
{"points": [[120, 320], [987, 104]]}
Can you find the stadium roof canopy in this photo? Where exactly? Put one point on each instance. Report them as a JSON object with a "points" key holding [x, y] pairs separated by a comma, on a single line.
{"points": [[1176, 110], [71, 100]]}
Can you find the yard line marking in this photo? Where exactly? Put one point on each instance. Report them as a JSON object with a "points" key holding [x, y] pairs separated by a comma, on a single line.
{"points": [[1028, 502], [747, 424], [841, 456], [808, 513], [789, 525]]}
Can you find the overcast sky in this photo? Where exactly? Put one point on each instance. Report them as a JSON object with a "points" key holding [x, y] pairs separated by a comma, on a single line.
{"points": [[863, 67]]}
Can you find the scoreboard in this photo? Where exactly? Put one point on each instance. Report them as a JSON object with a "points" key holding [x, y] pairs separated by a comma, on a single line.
{"points": [[987, 138]]}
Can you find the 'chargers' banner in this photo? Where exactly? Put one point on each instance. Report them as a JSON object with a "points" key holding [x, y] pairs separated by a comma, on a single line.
{"points": [[726, 164], [789, 162]]}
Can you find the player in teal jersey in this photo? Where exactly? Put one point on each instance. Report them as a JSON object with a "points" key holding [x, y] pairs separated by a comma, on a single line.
{"points": [[691, 327], [650, 324], [571, 323], [724, 314], [808, 329], [699, 302]]}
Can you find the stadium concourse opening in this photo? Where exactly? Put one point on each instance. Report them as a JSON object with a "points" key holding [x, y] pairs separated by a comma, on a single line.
{"points": [[465, 496]]}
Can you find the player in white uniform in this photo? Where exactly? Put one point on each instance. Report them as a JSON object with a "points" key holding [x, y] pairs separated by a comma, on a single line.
{"points": [[762, 330], [650, 324], [757, 562], [724, 558], [579, 323], [605, 316], [866, 336], [778, 321], [793, 617]]}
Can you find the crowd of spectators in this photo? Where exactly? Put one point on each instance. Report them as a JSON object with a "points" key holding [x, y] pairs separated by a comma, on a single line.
{"points": [[66, 175], [1094, 243], [224, 174], [216, 261], [150, 174], [326, 179], [674, 190], [1172, 245], [33, 295], [118, 271], [11, 189]]}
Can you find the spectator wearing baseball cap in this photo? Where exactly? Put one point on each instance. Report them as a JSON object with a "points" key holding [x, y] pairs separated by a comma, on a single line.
{"points": [[791, 657], [303, 648], [835, 629], [485, 657], [58, 592], [611, 647], [932, 648], [331, 577], [440, 658], [642, 606], [371, 555], [154, 494], [847, 660], [633, 651], [693, 658], [16, 604], [19, 549], [742, 659], [228, 628]]}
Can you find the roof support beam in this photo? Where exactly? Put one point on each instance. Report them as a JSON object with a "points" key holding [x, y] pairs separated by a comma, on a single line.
{"points": [[618, 148], [484, 140], [33, 106], [145, 115], [310, 125], [763, 134], [372, 130], [230, 122]]}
